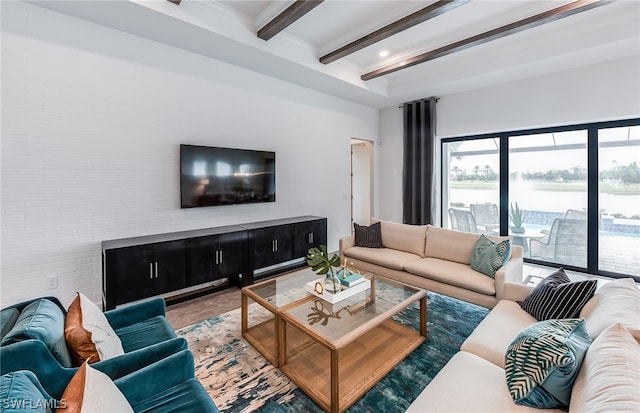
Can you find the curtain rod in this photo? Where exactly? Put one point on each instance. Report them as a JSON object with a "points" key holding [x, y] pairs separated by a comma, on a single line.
{"points": [[436, 99]]}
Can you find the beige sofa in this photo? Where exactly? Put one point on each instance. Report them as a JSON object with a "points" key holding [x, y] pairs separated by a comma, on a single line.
{"points": [[474, 379], [436, 259]]}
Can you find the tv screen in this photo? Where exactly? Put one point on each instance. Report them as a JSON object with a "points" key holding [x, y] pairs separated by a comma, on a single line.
{"points": [[211, 176]]}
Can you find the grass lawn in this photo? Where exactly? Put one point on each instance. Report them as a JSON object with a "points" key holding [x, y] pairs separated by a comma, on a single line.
{"points": [[577, 186]]}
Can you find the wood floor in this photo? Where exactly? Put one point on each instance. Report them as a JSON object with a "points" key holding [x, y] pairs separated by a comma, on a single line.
{"points": [[199, 309]]}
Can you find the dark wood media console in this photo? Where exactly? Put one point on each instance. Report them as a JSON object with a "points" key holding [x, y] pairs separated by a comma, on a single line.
{"points": [[205, 260]]}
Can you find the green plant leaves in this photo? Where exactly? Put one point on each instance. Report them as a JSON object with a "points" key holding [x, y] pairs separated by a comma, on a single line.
{"points": [[320, 261]]}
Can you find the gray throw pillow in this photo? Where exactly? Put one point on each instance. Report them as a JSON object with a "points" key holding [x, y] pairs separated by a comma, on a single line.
{"points": [[368, 237]]}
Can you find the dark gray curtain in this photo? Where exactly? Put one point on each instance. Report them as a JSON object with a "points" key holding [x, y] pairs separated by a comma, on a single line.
{"points": [[417, 171]]}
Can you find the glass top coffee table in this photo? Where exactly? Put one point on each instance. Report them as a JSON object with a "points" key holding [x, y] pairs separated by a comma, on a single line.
{"points": [[334, 352]]}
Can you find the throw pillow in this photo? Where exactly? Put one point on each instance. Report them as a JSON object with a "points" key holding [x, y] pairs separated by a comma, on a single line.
{"points": [[8, 318], [92, 391], [557, 297], [368, 237], [542, 362], [488, 256], [608, 380], [41, 320], [88, 333], [20, 391], [617, 301]]}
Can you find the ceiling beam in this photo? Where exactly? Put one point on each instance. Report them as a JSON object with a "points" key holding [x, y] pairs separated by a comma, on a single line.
{"points": [[397, 26], [176, 2], [509, 29], [298, 9]]}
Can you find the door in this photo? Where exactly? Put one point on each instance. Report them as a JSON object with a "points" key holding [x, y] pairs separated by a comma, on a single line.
{"points": [[361, 154], [133, 272], [263, 247], [233, 254], [308, 235], [170, 262], [202, 258]]}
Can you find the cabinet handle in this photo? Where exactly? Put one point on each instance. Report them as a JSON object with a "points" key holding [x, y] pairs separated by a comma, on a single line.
{"points": [[217, 257], [273, 245], [151, 271], [311, 238], [156, 269], [220, 256], [276, 245]]}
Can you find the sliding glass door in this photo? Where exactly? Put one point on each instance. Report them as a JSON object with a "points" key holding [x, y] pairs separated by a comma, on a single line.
{"points": [[570, 196], [548, 185], [619, 200]]}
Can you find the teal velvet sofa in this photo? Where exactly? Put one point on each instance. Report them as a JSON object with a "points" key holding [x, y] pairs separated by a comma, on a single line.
{"points": [[167, 385], [139, 326]]}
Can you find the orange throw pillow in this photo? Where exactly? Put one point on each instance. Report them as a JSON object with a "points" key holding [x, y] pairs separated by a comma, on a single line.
{"points": [[81, 346]]}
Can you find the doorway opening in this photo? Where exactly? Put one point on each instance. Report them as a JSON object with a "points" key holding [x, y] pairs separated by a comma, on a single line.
{"points": [[361, 182]]}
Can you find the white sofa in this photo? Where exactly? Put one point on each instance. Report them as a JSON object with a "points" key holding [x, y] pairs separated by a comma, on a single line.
{"points": [[436, 259], [474, 379]]}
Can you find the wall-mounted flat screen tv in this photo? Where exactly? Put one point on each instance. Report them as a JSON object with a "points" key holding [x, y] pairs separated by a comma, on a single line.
{"points": [[212, 176]]}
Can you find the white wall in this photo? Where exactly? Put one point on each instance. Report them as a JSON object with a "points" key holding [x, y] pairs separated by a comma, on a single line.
{"points": [[92, 119], [601, 92]]}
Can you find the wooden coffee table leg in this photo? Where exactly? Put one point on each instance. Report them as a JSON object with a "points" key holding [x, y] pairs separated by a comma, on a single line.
{"points": [[423, 316], [335, 382], [243, 312]]}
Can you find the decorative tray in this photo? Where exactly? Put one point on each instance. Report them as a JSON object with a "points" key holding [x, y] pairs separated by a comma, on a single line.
{"points": [[334, 298]]}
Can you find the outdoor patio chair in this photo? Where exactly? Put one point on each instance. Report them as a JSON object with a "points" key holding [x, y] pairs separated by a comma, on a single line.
{"points": [[462, 220], [566, 243], [486, 216]]}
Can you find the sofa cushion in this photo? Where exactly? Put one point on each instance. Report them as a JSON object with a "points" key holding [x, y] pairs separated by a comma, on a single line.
{"points": [[492, 337], [452, 273], [188, 396], [617, 301], [20, 391], [542, 363], [404, 237], [386, 257], [42, 320], [368, 237], [609, 377], [145, 333], [557, 297], [8, 318], [487, 256], [92, 391], [88, 333], [468, 383], [452, 245]]}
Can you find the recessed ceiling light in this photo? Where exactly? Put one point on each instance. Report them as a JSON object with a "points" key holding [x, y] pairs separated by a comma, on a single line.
{"points": [[383, 53]]}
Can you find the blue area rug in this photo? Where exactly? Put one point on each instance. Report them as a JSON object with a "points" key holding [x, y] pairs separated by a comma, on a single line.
{"points": [[239, 379]]}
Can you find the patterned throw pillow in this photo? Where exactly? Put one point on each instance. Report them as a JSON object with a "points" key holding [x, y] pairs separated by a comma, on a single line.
{"points": [[488, 256], [543, 361], [369, 237], [557, 297]]}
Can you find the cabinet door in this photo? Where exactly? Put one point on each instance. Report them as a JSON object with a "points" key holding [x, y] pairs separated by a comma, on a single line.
{"points": [[202, 258], [284, 243], [130, 273], [171, 266], [263, 247], [233, 254], [309, 234]]}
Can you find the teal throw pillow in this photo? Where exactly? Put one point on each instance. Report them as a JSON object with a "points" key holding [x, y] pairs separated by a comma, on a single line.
{"points": [[488, 256], [21, 392], [8, 318], [543, 361], [42, 320]]}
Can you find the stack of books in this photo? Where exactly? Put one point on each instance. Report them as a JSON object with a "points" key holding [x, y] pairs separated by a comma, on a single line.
{"points": [[349, 279]]}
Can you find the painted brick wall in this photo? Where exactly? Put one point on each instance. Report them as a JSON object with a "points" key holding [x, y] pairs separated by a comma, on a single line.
{"points": [[92, 119]]}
